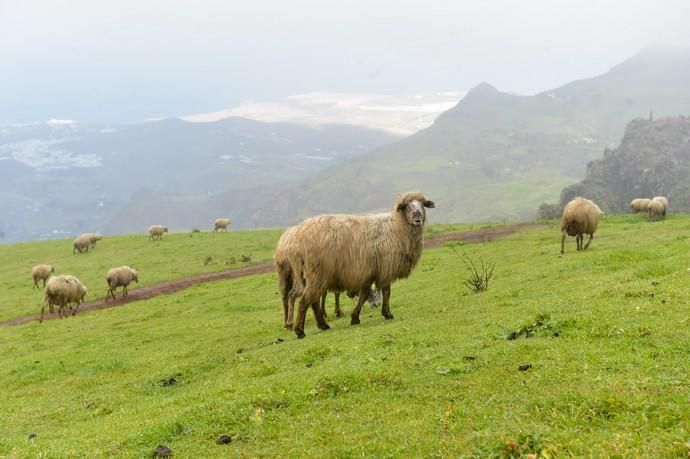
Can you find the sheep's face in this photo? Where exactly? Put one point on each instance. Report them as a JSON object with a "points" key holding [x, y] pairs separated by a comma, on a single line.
{"points": [[52, 269], [415, 212], [135, 276], [165, 229]]}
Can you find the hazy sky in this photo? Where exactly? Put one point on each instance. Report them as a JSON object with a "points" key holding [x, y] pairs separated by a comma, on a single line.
{"points": [[128, 60]]}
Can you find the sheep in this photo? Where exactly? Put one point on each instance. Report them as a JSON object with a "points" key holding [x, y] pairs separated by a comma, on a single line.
{"points": [[639, 205], [655, 210], [663, 201], [82, 243], [287, 246], [350, 252], [41, 272], [61, 291], [221, 224], [93, 238], [120, 277], [156, 231], [580, 216]]}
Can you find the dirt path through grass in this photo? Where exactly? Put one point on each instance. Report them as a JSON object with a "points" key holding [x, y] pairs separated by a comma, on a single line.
{"points": [[175, 285]]}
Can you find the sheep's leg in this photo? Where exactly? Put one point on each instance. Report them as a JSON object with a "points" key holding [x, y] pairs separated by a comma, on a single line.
{"points": [[35, 284], [563, 243], [290, 314], [43, 307], [385, 307], [338, 310], [76, 308], [354, 317], [124, 291], [44, 283], [591, 236], [323, 305], [318, 315], [301, 314]]}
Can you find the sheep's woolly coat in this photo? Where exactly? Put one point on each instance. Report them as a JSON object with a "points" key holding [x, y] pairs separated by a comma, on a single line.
{"points": [[663, 201], [82, 243], [41, 272], [93, 238], [120, 277], [156, 231], [350, 252], [655, 209], [639, 205], [580, 216], [221, 223], [61, 291]]}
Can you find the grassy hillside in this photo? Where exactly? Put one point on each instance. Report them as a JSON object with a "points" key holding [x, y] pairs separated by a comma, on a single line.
{"points": [[602, 339], [176, 255]]}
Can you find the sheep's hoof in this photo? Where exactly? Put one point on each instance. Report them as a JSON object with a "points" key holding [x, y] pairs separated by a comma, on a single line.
{"points": [[324, 326], [300, 334], [339, 314], [288, 326], [354, 321], [388, 316]]}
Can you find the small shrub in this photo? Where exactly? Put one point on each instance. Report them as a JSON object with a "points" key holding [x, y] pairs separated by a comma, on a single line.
{"points": [[246, 258], [208, 260], [477, 280]]}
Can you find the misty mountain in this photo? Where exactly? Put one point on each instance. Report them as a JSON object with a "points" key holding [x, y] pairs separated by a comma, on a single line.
{"points": [[61, 178], [653, 159], [494, 156]]}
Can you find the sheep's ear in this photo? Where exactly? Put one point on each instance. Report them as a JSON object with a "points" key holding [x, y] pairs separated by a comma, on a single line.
{"points": [[401, 207], [429, 204]]}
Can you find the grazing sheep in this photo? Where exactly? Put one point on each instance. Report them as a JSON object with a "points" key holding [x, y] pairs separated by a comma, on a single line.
{"points": [[221, 224], [93, 238], [120, 277], [61, 291], [655, 210], [156, 231], [350, 252], [639, 205], [663, 201], [82, 243], [580, 216], [41, 272]]}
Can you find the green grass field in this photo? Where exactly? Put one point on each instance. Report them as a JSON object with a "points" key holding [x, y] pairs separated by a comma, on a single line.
{"points": [[599, 367]]}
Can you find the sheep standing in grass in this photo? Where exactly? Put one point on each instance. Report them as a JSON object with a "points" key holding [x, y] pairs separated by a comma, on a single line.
{"points": [[350, 252], [156, 232], [663, 201], [655, 210], [93, 238], [61, 291], [41, 272], [639, 205], [81, 244], [288, 246], [580, 216], [120, 277], [221, 224]]}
